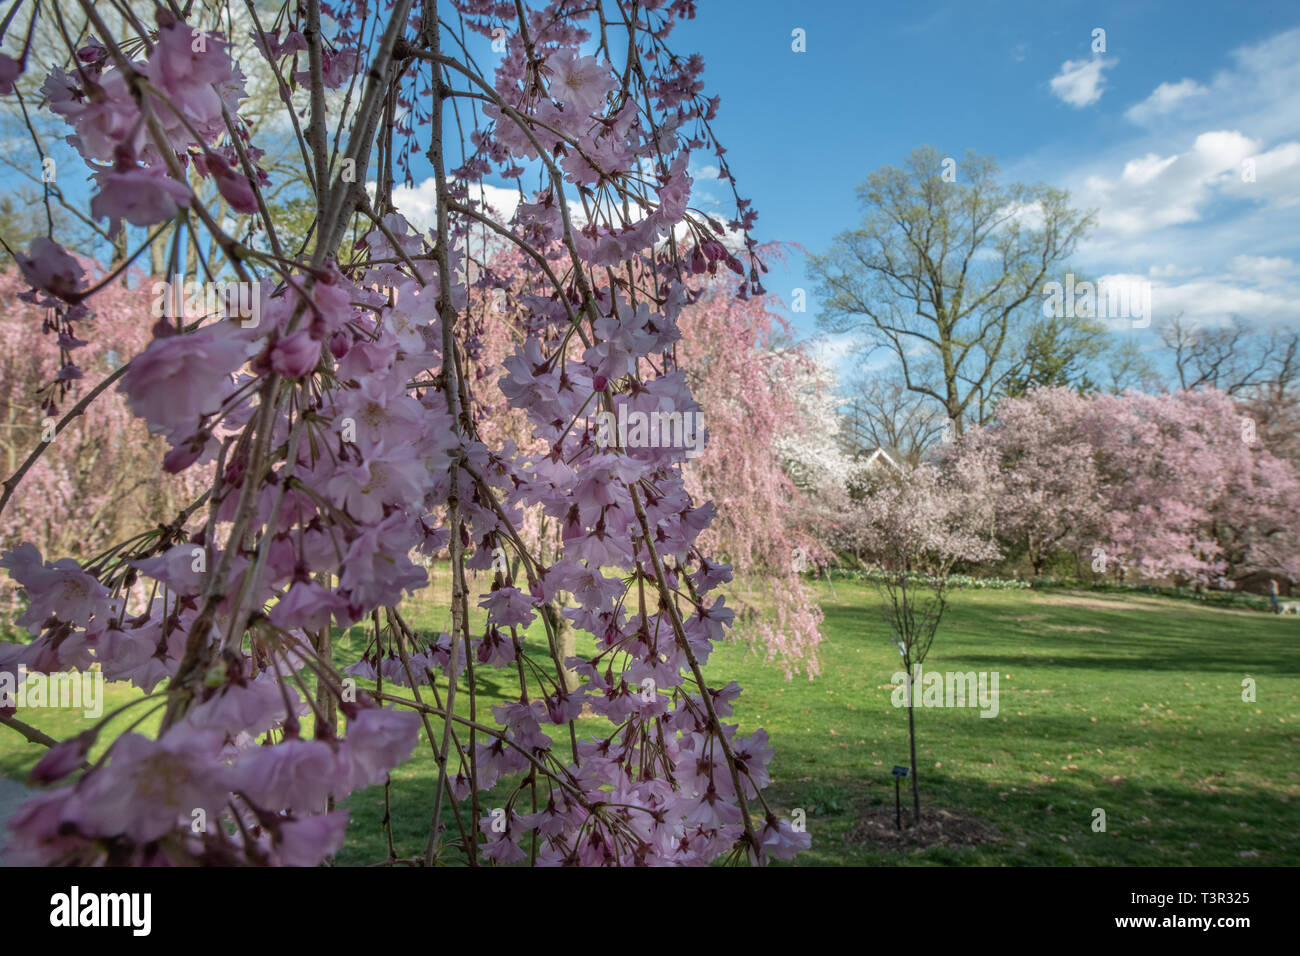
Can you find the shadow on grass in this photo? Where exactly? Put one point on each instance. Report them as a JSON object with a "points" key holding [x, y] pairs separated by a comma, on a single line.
{"points": [[1046, 824], [1052, 824], [1243, 643]]}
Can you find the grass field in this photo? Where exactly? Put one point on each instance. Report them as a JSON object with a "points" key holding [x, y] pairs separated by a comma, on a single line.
{"points": [[1128, 704]]}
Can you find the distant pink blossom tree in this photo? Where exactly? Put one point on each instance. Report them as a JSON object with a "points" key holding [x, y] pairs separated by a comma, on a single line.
{"points": [[99, 477], [733, 356], [1169, 486], [1049, 494], [1188, 496]]}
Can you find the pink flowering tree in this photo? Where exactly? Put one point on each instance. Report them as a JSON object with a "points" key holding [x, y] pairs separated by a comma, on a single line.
{"points": [[916, 526], [1191, 495], [734, 356], [1050, 497], [99, 479], [329, 398], [1172, 487]]}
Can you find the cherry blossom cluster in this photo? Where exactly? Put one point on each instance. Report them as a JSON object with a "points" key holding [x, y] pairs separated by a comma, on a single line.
{"points": [[342, 436], [1156, 487]]}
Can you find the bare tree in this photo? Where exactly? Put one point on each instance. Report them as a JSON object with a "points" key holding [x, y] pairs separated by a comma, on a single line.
{"points": [[944, 266], [1258, 367], [884, 413], [1231, 358]]}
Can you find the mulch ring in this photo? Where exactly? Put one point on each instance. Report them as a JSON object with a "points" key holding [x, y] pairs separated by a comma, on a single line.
{"points": [[876, 828]]}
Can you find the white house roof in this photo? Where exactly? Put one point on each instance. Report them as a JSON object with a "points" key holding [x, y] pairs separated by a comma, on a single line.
{"points": [[881, 455]]}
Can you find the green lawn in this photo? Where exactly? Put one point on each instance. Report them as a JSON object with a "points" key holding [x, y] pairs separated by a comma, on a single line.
{"points": [[1128, 704]]}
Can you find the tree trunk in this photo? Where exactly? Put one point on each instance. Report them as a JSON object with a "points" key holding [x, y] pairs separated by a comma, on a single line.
{"points": [[911, 739], [326, 702], [158, 258], [566, 639]]}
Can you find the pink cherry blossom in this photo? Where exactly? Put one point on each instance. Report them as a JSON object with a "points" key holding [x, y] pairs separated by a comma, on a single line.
{"points": [[307, 841], [451, 418], [296, 355], [142, 195], [579, 83], [49, 268], [177, 380]]}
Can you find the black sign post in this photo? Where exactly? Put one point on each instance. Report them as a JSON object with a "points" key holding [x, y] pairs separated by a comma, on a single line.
{"points": [[899, 774]]}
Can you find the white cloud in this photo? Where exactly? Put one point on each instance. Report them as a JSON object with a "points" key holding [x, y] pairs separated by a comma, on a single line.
{"points": [[1259, 92], [1156, 191], [1171, 271], [1080, 82], [1163, 99], [1216, 300], [1261, 289], [419, 203], [1199, 192], [1265, 270], [835, 350], [1272, 176]]}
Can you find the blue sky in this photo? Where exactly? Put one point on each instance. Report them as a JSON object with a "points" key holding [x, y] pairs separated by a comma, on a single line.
{"points": [[1162, 168], [1151, 133]]}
